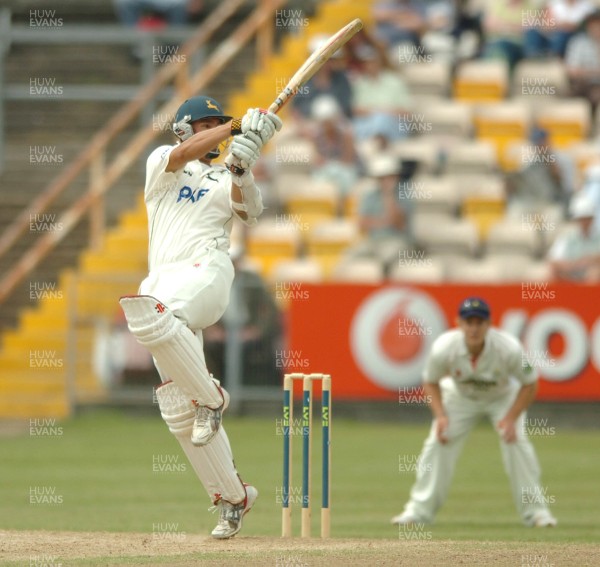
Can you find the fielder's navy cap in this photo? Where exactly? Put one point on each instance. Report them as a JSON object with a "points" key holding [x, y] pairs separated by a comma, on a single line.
{"points": [[474, 307]]}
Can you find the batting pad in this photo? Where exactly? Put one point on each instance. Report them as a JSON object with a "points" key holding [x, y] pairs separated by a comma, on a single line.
{"points": [[173, 345], [213, 463]]}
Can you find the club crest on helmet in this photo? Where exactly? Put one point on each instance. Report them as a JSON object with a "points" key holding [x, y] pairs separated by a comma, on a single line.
{"points": [[196, 108]]}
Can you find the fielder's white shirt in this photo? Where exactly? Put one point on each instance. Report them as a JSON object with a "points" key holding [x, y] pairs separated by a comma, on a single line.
{"points": [[490, 375], [188, 210]]}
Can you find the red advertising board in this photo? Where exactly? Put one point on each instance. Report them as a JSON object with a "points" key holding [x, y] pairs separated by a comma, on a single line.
{"points": [[374, 340]]}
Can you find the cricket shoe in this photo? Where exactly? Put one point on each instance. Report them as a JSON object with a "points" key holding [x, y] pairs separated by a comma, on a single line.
{"points": [[543, 520], [406, 519], [208, 420], [231, 515]]}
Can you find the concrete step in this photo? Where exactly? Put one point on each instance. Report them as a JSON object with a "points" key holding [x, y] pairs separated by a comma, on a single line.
{"points": [[71, 64]]}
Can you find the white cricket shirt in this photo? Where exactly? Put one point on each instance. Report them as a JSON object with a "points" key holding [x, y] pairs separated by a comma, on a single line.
{"points": [[486, 377], [188, 210]]}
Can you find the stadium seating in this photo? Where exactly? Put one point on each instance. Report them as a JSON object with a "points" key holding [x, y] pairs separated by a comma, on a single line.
{"points": [[484, 212], [446, 116], [475, 271], [481, 80], [301, 270], [328, 240], [443, 234], [311, 201], [484, 185], [502, 123], [535, 79], [424, 271], [271, 241], [427, 78], [425, 149], [433, 194], [567, 121], [512, 237], [471, 156], [358, 271]]}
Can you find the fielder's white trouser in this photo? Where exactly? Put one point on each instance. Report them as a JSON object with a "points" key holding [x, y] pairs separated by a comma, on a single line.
{"points": [[176, 301], [213, 463], [437, 461]]}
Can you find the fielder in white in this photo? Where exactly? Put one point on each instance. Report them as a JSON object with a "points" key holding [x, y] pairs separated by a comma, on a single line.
{"points": [[191, 205], [477, 371]]}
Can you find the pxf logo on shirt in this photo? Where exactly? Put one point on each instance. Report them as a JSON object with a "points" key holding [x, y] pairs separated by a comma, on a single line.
{"points": [[190, 194]]}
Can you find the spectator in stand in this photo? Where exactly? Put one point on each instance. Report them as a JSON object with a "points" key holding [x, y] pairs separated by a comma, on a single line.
{"points": [[400, 21], [331, 79], [560, 21], [333, 139], [172, 12], [467, 18], [153, 15], [383, 216], [547, 176], [381, 98], [591, 188], [582, 61], [575, 255], [254, 316], [503, 29]]}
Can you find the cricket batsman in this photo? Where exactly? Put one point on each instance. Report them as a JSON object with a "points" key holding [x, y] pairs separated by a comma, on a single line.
{"points": [[191, 205], [477, 371]]}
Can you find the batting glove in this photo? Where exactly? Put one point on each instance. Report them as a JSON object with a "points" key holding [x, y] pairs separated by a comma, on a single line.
{"points": [[246, 149], [261, 122]]}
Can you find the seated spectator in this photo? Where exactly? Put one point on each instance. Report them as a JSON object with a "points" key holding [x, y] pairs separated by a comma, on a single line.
{"points": [[575, 255], [468, 15], [503, 29], [591, 188], [400, 21], [383, 216], [560, 21], [154, 15], [381, 98], [547, 176], [172, 12], [253, 315], [331, 79], [336, 156], [583, 62]]}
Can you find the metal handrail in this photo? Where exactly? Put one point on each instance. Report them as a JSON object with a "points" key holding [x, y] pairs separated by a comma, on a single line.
{"points": [[103, 177]]}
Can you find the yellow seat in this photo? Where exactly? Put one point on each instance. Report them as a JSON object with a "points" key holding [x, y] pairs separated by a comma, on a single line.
{"points": [[310, 201], [327, 242], [568, 121], [481, 80], [502, 124], [271, 241], [483, 212]]}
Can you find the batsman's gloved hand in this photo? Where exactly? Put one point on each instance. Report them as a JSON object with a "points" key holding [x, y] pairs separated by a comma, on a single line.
{"points": [[245, 148], [261, 122]]}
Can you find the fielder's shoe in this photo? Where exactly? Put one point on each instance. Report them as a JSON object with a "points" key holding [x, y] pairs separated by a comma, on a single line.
{"points": [[543, 520], [231, 515], [208, 420], [406, 518]]}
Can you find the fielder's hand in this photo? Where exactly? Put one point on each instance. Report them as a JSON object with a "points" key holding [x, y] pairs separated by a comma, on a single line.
{"points": [[441, 429], [261, 122], [507, 430]]}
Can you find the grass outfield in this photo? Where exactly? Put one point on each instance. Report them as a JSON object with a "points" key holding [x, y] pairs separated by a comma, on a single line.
{"points": [[109, 471]]}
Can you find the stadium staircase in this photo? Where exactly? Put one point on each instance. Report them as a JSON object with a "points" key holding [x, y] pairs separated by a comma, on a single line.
{"points": [[47, 360]]}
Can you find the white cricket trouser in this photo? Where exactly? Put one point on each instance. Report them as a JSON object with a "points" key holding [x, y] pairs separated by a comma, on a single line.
{"points": [[198, 293], [195, 291], [437, 461]]}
